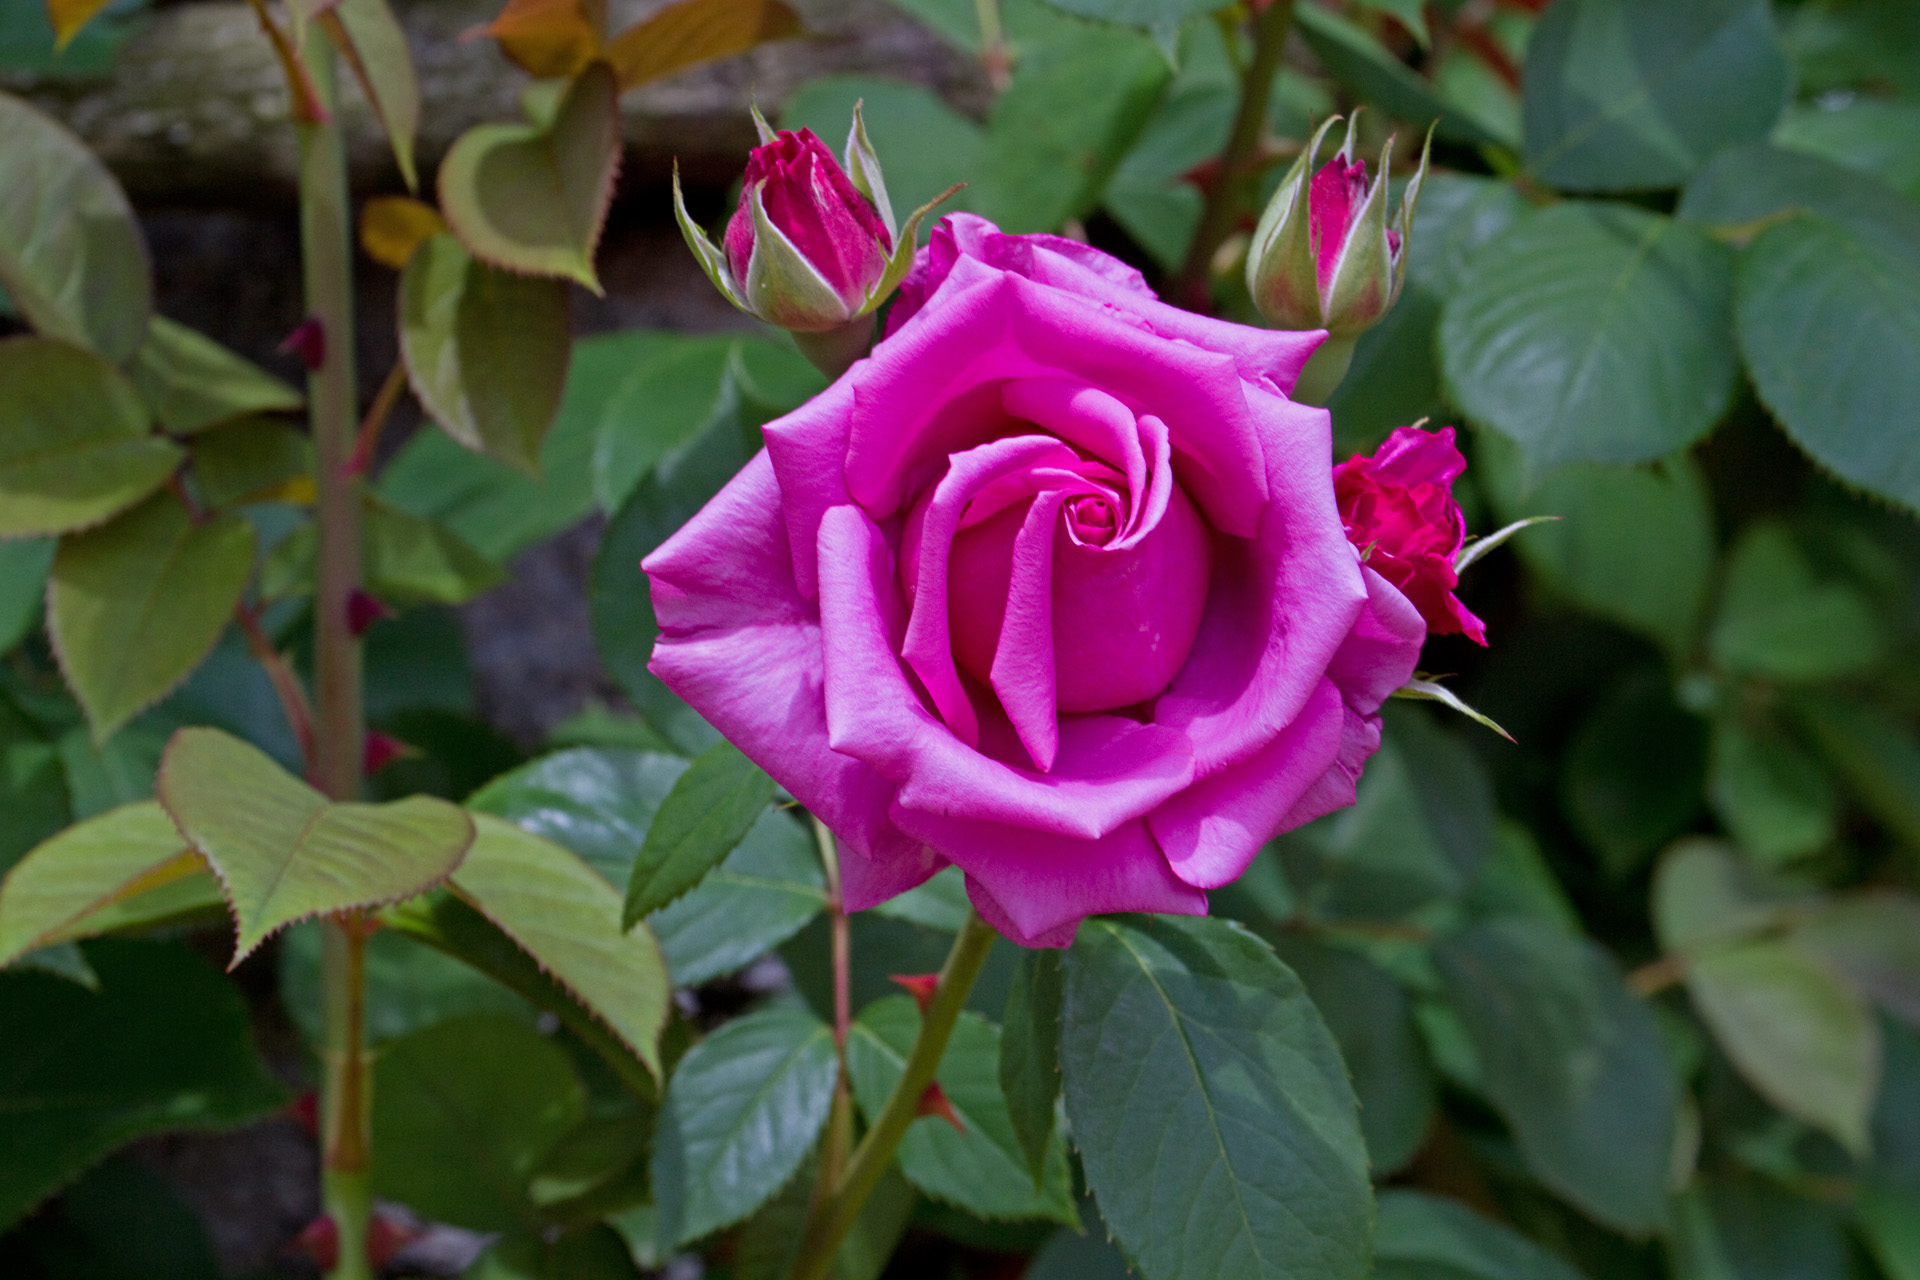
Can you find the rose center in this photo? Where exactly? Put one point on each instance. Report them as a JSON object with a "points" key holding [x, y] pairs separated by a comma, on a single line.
{"points": [[1091, 520]]}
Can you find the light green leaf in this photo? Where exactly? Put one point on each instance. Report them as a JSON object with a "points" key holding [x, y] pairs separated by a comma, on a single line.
{"points": [[532, 199], [486, 349], [1030, 1053], [284, 852], [983, 1169], [376, 49], [94, 864], [1778, 620], [71, 253], [1422, 1237], [1571, 1060], [164, 1045], [466, 1110], [253, 460], [411, 560], [1593, 332], [740, 1115], [74, 446], [190, 382], [135, 604], [566, 917], [710, 809], [1773, 797], [23, 584], [1626, 95], [1210, 1105]]}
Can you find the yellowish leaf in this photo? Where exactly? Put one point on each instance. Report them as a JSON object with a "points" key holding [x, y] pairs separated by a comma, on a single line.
{"points": [[694, 31], [392, 227], [550, 38], [68, 16]]}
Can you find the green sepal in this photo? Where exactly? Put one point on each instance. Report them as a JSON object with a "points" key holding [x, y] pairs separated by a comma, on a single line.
{"points": [[782, 287], [1281, 275], [903, 248], [863, 166], [710, 258]]}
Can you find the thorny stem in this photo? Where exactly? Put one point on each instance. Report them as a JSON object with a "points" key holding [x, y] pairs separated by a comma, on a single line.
{"points": [[840, 1119], [1242, 155], [286, 685], [835, 1214]]}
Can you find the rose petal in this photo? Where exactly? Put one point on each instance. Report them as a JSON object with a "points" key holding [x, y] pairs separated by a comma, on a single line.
{"points": [[1380, 653]]}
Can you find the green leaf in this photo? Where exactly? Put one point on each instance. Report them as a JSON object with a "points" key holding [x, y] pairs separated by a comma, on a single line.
{"points": [[1056, 135], [164, 1045], [1744, 189], [134, 605], [486, 349], [764, 893], [284, 852], [1747, 1228], [531, 198], [409, 987], [1571, 1060], [662, 404], [191, 382], [253, 460], [33, 792], [1030, 1053], [596, 1253], [597, 801], [1628, 95], [71, 254], [1773, 797], [84, 868], [710, 809], [74, 447], [466, 1110], [1875, 755], [1592, 332], [1633, 546], [984, 1169], [1633, 771], [1873, 137], [1210, 1105], [1829, 321], [741, 1113], [1890, 1222], [938, 902], [1778, 620], [23, 583], [1873, 940], [1425, 1237], [924, 145], [566, 917], [411, 560], [1372, 1022], [376, 49], [1136, 13], [1364, 65]]}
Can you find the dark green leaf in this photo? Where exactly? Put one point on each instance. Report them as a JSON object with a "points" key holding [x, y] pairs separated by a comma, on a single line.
{"points": [[1778, 620], [164, 1045], [709, 811], [1364, 65], [120, 1222], [1746, 1228], [1773, 797], [1136, 13], [597, 801], [1426, 1237], [1874, 755], [1633, 771], [1516, 881], [1625, 95], [1592, 332], [983, 1169], [1873, 938], [661, 405], [23, 583], [1572, 1061], [118, 771], [1743, 188], [1030, 1052], [409, 987], [466, 1110], [1210, 1105], [741, 1113], [191, 382], [1873, 137], [765, 892], [595, 1253]]}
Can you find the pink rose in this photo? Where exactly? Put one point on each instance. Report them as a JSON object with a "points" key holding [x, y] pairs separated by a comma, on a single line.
{"points": [[1051, 586], [810, 200], [1399, 510]]}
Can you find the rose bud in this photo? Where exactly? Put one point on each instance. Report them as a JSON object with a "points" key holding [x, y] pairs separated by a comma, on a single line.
{"points": [[1325, 256], [813, 247], [1398, 509]]}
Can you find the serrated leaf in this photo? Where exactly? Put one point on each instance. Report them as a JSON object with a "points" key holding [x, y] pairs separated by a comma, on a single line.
{"points": [[740, 1115], [1592, 332], [135, 604], [466, 1111], [392, 228], [981, 1167], [764, 893], [1030, 1053], [549, 39], [253, 460], [190, 382], [1625, 95], [284, 852], [691, 32], [74, 446], [91, 865], [711, 807], [486, 350], [1210, 1105], [164, 1045], [532, 199], [567, 918], [375, 46], [1571, 1060], [71, 254]]}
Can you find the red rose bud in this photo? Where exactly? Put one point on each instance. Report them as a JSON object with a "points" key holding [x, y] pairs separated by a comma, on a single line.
{"points": [[388, 1235], [305, 1110], [380, 750], [364, 609], [1324, 255], [320, 1241], [920, 986], [1398, 509], [309, 341], [813, 245], [934, 1103]]}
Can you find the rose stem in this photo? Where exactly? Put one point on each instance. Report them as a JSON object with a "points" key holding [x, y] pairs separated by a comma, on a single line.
{"points": [[325, 248], [835, 1215], [1237, 162], [840, 1119]]}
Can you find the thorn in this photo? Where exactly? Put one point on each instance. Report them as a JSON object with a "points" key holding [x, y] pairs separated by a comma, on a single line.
{"points": [[364, 609], [934, 1103], [920, 986], [320, 1241], [305, 1110], [309, 341], [382, 749], [387, 1235]]}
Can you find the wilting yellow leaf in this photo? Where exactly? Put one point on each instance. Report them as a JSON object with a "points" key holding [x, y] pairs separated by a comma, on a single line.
{"points": [[392, 227], [550, 38], [68, 16], [694, 31]]}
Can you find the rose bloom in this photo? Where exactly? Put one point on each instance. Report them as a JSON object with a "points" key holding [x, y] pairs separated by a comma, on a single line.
{"points": [[1051, 586], [1399, 510]]}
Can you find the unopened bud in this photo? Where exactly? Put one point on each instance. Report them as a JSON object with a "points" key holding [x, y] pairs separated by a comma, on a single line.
{"points": [[309, 341]]}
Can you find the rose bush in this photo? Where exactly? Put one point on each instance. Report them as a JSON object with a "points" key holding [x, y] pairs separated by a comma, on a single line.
{"points": [[1051, 586]]}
